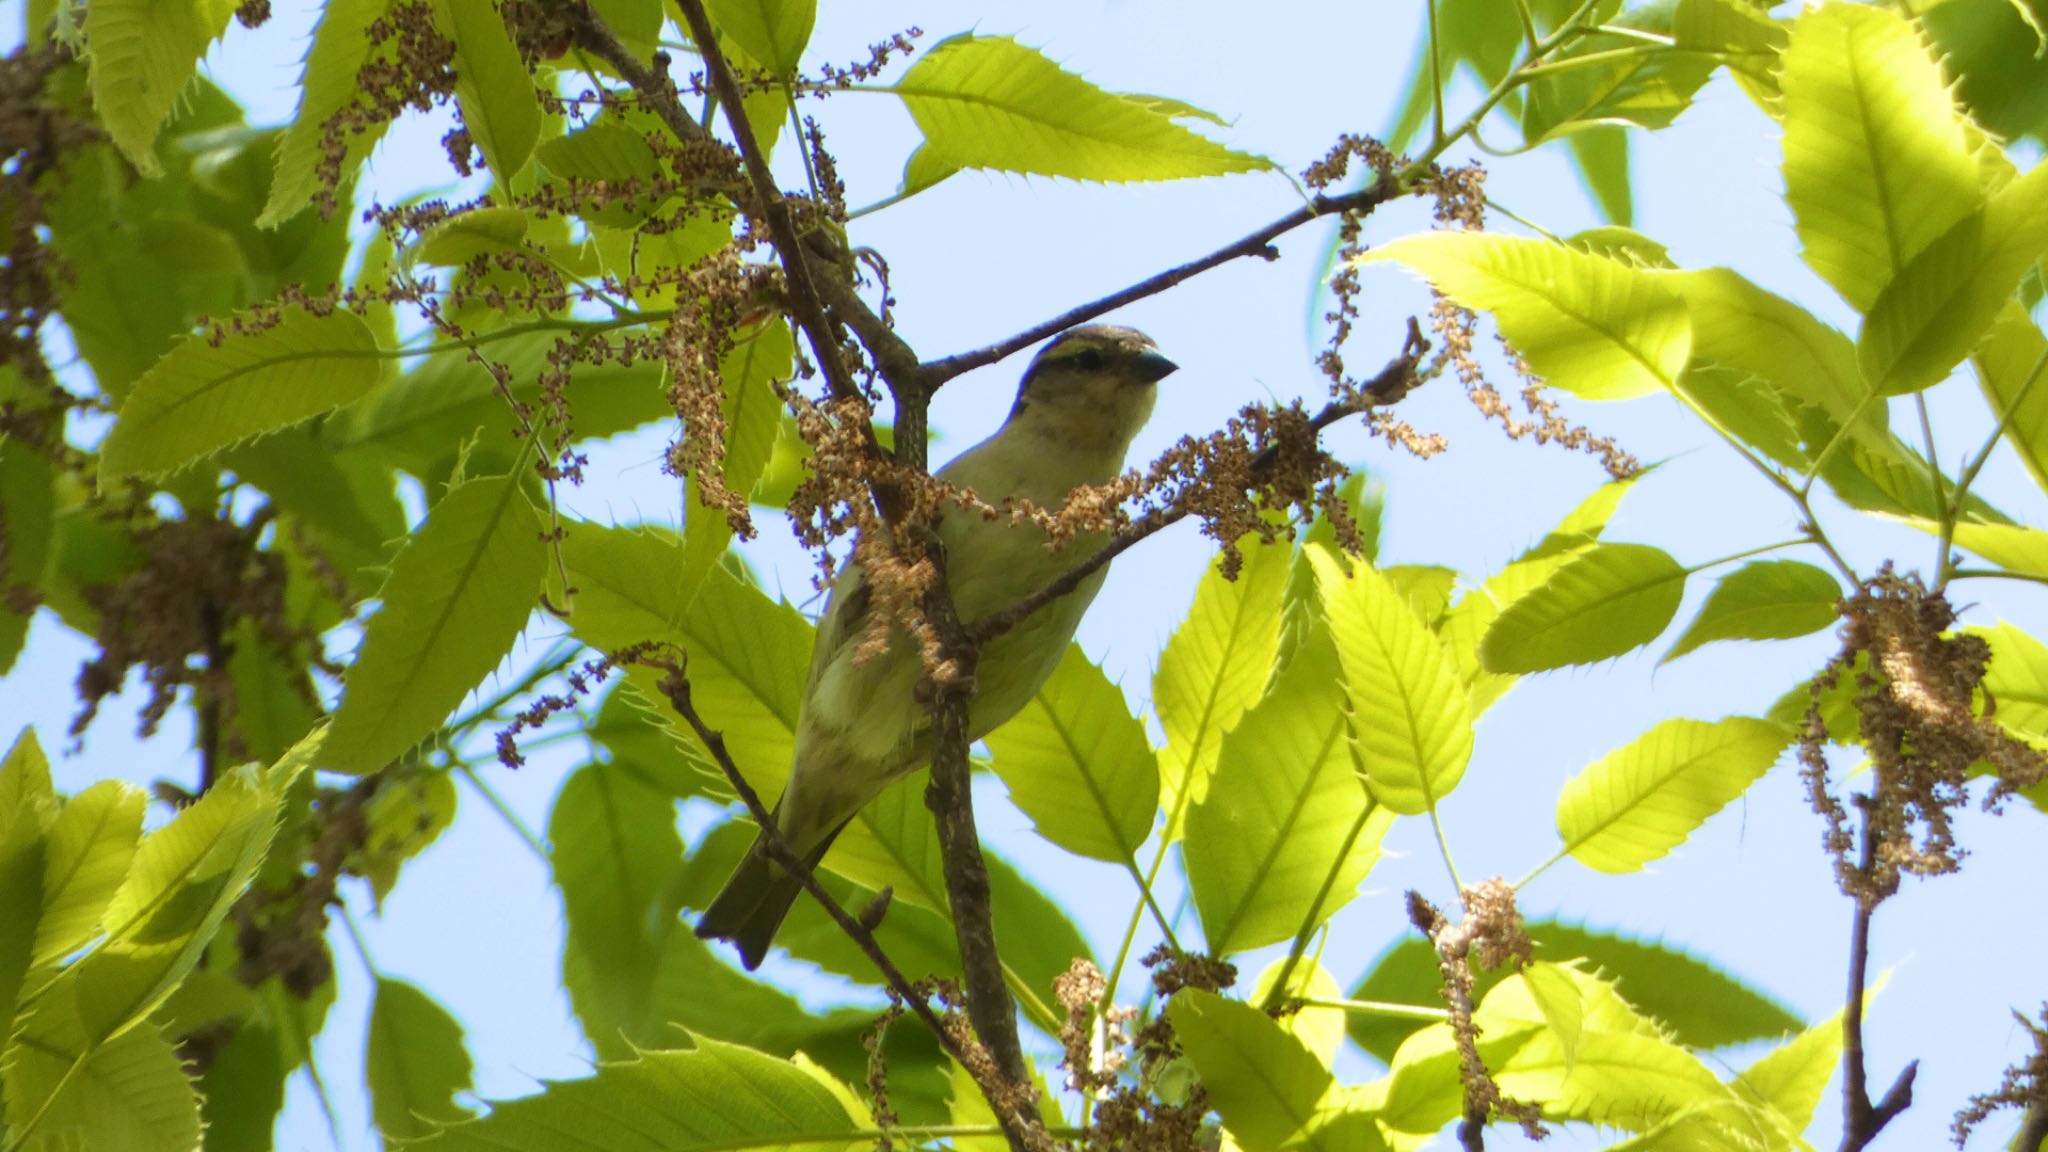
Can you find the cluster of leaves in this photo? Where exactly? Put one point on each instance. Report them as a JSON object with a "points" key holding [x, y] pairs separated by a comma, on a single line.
{"points": [[1308, 703]]}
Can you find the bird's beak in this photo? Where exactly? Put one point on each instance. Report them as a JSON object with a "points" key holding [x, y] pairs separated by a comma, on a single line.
{"points": [[1153, 367]]}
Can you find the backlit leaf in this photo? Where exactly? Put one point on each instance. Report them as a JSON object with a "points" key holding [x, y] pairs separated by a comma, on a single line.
{"points": [[415, 1062], [143, 54], [328, 88], [492, 86], [458, 595], [1763, 600], [1595, 327], [1637, 803], [1602, 603], [1078, 763]]}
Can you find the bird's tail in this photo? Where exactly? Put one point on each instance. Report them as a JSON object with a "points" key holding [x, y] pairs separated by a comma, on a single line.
{"points": [[750, 909]]}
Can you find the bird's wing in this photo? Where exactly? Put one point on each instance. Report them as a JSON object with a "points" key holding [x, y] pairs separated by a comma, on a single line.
{"points": [[845, 621]]}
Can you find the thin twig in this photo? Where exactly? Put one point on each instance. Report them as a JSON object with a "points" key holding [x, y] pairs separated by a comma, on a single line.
{"points": [[1020, 1123], [1259, 244]]}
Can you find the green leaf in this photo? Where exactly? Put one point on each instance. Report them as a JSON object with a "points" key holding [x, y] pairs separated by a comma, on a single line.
{"points": [[242, 1090], [1612, 598], [1702, 1006], [25, 787], [421, 419], [1078, 763], [615, 853], [1943, 303], [1741, 33], [492, 86], [91, 845], [1876, 161], [1262, 1081], [1640, 801], [773, 32], [1409, 716], [2009, 546], [1287, 831], [409, 812], [2017, 680], [202, 397], [130, 1092], [1597, 328], [748, 655], [415, 1062], [484, 231], [328, 89], [2011, 363], [1636, 84], [1739, 325], [712, 1096], [1215, 666], [1992, 48], [143, 54], [990, 102], [1763, 600], [459, 594], [1791, 1078], [1600, 152], [24, 858]]}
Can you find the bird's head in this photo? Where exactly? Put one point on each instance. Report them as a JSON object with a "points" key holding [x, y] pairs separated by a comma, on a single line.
{"points": [[1095, 383]]}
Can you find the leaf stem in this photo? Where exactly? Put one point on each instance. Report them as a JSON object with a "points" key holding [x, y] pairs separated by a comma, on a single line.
{"points": [[1380, 1008], [1746, 554], [533, 842], [1983, 455]]}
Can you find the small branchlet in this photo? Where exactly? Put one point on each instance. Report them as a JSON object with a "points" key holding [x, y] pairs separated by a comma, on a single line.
{"points": [[1492, 933], [2024, 1087]]}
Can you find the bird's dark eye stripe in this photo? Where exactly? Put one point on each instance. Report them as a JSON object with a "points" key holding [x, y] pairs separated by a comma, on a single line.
{"points": [[1088, 359]]}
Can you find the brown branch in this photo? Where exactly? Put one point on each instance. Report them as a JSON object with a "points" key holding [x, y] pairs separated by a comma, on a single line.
{"points": [[950, 797], [1861, 1119], [1019, 1122], [1391, 384], [1259, 244]]}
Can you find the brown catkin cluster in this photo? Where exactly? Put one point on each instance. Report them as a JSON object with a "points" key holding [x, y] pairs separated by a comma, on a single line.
{"points": [[2024, 1086], [1917, 687], [409, 67]]}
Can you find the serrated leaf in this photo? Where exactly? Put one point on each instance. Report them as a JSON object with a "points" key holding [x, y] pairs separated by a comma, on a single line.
{"points": [[328, 87], [1992, 48], [773, 32], [1600, 152], [1078, 763], [142, 55], [2017, 680], [1287, 831], [1410, 721], [615, 852], [1214, 667], [1702, 1006], [1637, 803], [459, 594], [91, 845], [492, 85], [485, 231], [1739, 325], [1597, 328], [990, 102], [712, 1096], [1602, 603], [201, 398], [748, 654], [1260, 1079], [414, 1064], [25, 786], [1763, 600], [66, 1091], [2010, 364], [405, 817], [1631, 85], [2009, 546], [24, 857], [1942, 304], [1876, 162]]}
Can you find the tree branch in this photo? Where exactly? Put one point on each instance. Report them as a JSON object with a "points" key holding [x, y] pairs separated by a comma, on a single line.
{"points": [[1013, 1112], [1862, 1120], [1258, 243]]}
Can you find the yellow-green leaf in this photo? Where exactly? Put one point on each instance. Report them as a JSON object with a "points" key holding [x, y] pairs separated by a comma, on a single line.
{"points": [[1410, 719], [143, 54], [990, 102], [773, 32], [1214, 667], [1260, 1079], [1604, 602], [1876, 160], [202, 397], [1640, 801], [492, 86], [2011, 364], [91, 844], [459, 593], [1942, 304], [1595, 327], [1763, 600], [328, 88], [1078, 763], [415, 1063]]}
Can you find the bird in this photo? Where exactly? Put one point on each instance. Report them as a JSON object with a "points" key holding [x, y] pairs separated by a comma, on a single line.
{"points": [[863, 723]]}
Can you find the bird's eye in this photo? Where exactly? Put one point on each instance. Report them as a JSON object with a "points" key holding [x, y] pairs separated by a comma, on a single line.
{"points": [[1088, 359]]}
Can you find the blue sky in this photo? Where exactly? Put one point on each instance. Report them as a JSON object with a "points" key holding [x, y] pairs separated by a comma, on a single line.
{"points": [[981, 256]]}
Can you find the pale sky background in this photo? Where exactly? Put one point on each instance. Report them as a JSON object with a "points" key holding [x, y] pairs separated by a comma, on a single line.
{"points": [[477, 924]]}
